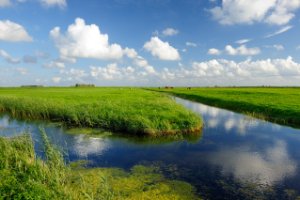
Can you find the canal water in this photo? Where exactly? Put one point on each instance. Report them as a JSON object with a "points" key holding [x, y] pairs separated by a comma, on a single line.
{"points": [[235, 157]]}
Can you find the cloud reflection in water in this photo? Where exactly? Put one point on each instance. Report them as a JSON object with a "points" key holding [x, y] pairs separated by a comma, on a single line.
{"points": [[216, 117], [4, 122], [268, 167], [85, 146]]}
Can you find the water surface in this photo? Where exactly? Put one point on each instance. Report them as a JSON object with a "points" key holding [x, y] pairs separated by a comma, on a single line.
{"points": [[235, 157]]}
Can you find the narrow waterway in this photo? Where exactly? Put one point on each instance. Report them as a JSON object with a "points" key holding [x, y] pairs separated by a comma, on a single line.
{"points": [[235, 157]]}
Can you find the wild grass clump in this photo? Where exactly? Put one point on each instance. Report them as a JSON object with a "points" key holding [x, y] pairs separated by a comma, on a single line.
{"points": [[280, 105], [24, 176], [130, 110]]}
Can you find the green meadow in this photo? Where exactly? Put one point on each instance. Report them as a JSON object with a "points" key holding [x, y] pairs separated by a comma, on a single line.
{"points": [[280, 105], [24, 176], [132, 110], [87, 110]]}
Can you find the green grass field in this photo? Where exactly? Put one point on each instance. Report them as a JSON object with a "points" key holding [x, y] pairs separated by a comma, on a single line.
{"points": [[24, 176], [130, 110], [280, 105]]}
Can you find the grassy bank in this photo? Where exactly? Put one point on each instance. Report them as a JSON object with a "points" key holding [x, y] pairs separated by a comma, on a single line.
{"points": [[280, 105], [129, 110], [23, 176]]}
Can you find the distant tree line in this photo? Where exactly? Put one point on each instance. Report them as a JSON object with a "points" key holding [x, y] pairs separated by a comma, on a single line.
{"points": [[32, 86], [84, 85]]}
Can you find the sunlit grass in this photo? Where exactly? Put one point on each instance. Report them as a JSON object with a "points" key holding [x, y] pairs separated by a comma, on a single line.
{"points": [[24, 176], [130, 110], [279, 105]]}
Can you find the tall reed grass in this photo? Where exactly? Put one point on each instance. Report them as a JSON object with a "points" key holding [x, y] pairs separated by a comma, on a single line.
{"points": [[25, 176], [130, 110]]}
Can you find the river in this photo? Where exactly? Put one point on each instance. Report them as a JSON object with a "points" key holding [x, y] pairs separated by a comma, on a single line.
{"points": [[235, 157]]}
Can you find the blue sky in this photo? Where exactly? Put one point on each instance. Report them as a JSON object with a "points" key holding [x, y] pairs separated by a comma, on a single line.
{"points": [[149, 42]]}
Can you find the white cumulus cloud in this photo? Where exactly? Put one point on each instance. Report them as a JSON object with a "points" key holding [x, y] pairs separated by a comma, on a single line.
{"points": [[214, 51], [170, 32], [130, 53], [283, 12], [85, 41], [114, 72], [52, 3], [111, 72], [277, 12], [13, 32], [162, 50], [247, 68], [242, 51], [283, 71], [138, 60], [228, 72]]}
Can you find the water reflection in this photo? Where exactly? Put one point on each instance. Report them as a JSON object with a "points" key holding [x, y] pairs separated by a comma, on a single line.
{"points": [[4, 122], [85, 146], [216, 117], [248, 149], [232, 151], [266, 168]]}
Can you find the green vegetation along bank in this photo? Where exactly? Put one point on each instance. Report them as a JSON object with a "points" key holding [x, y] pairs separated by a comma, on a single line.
{"points": [[24, 176], [130, 110], [280, 105]]}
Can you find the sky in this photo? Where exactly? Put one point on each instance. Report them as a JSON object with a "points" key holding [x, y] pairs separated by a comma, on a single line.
{"points": [[150, 42]]}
